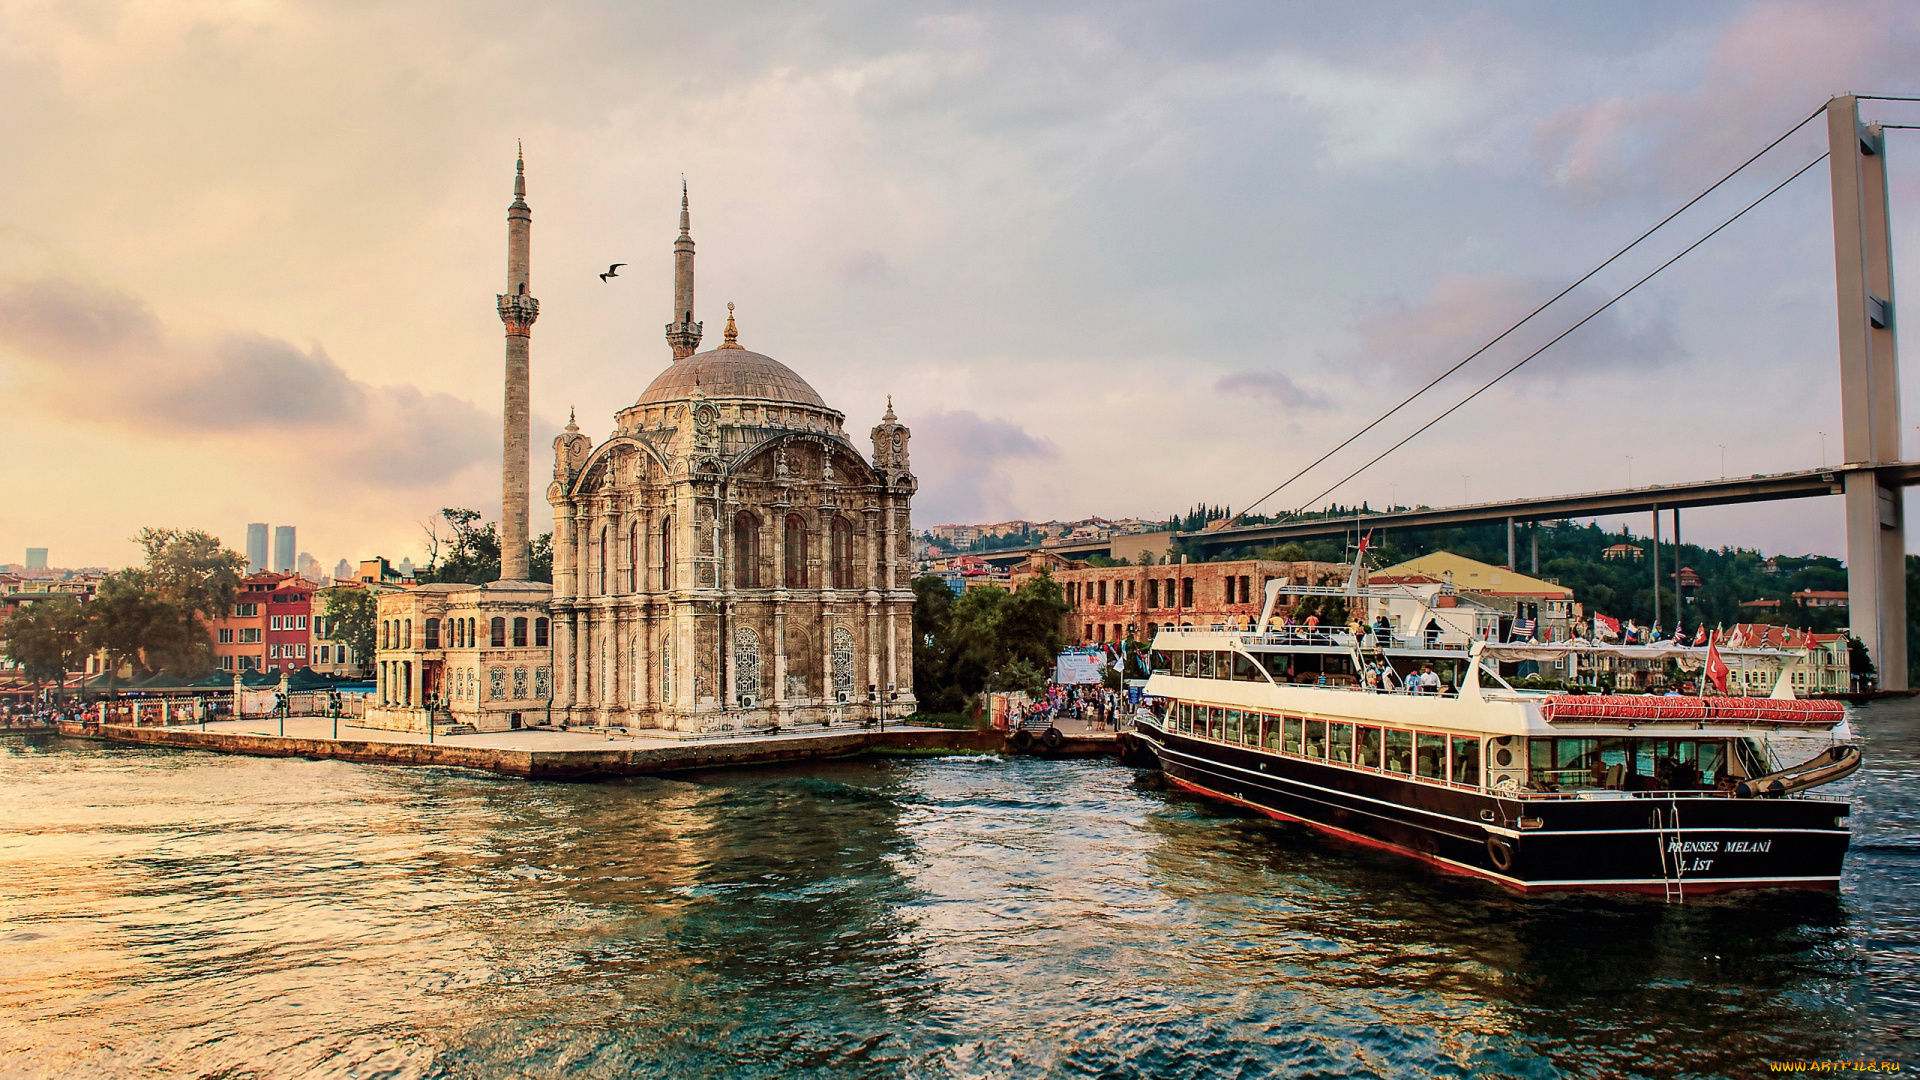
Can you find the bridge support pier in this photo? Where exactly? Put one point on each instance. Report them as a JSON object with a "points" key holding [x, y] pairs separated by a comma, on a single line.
{"points": [[1869, 389]]}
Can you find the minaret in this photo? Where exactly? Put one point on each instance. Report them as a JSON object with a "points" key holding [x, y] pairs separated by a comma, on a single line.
{"points": [[517, 311], [683, 333]]}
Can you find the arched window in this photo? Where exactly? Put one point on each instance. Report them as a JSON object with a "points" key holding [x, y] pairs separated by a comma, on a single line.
{"points": [[666, 554], [406, 635], [433, 633], [520, 633], [796, 552], [473, 633], [605, 582], [499, 633], [842, 553], [633, 560], [540, 633], [746, 550]]}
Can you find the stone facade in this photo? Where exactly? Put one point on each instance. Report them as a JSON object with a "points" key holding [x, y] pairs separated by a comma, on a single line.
{"points": [[728, 560], [463, 654]]}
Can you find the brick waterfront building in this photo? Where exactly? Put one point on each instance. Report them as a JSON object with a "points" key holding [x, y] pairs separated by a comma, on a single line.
{"points": [[1132, 603], [269, 626]]}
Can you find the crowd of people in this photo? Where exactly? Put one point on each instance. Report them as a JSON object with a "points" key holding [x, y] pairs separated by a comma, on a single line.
{"points": [[1096, 706], [37, 714]]}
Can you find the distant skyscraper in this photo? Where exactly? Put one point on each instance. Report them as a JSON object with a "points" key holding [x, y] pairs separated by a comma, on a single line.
{"points": [[256, 547], [36, 558], [283, 549], [308, 567], [406, 568], [343, 571]]}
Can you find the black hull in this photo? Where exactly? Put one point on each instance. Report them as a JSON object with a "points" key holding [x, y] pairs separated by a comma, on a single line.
{"points": [[1620, 844]]}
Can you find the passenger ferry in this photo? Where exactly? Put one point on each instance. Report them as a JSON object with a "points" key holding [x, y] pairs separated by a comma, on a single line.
{"points": [[1534, 790]]}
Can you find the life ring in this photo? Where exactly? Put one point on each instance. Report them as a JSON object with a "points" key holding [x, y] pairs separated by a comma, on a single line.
{"points": [[1500, 854], [1022, 740], [1053, 740]]}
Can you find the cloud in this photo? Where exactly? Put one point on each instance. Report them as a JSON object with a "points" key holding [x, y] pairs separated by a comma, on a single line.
{"points": [[1463, 312], [1767, 69], [97, 356], [960, 456], [1273, 386]]}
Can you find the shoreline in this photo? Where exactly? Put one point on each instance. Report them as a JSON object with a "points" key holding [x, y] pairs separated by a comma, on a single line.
{"points": [[572, 755]]}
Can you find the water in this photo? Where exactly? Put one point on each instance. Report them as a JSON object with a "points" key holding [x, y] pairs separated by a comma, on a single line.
{"points": [[167, 913]]}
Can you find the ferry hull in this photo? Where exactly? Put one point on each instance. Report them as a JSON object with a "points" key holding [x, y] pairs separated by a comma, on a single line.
{"points": [[1608, 843]]}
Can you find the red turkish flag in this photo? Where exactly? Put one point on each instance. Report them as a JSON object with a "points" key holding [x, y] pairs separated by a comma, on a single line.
{"points": [[1716, 667]]}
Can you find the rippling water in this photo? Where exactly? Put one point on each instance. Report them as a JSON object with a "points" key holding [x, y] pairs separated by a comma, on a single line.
{"points": [[169, 913]]}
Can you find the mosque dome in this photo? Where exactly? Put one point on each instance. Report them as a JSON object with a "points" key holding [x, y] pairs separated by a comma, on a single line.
{"points": [[731, 371]]}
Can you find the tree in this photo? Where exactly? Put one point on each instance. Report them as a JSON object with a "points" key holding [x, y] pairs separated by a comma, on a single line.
{"points": [[129, 622], [470, 552], [988, 634], [47, 638], [351, 616], [190, 580]]}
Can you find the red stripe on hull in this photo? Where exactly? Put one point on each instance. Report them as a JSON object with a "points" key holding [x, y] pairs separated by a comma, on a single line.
{"points": [[1702, 885]]}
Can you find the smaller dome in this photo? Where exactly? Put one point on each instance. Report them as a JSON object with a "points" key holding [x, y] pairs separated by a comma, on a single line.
{"points": [[730, 373]]}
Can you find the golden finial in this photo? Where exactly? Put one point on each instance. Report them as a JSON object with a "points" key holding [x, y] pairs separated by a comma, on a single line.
{"points": [[733, 332]]}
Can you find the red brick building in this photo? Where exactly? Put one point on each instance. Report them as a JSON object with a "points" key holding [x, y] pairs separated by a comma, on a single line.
{"points": [[269, 626], [1132, 603]]}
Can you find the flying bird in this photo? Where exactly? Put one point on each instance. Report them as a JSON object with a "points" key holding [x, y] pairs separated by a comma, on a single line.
{"points": [[612, 271]]}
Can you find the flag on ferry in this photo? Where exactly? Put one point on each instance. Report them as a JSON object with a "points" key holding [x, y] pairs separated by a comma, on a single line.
{"points": [[1716, 668], [1604, 627], [1522, 630], [1700, 636]]}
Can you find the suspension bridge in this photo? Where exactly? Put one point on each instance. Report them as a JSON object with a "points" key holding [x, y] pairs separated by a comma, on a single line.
{"points": [[1870, 481]]}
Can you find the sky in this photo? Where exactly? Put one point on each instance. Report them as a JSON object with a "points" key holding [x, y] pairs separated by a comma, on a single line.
{"points": [[1108, 258]]}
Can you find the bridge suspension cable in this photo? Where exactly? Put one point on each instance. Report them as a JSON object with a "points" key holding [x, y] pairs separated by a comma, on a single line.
{"points": [[1490, 383], [1470, 357]]}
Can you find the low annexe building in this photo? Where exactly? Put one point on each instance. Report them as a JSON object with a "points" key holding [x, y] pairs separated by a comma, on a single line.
{"points": [[452, 653]]}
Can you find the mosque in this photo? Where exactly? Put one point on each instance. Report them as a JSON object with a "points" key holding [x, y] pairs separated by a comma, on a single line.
{"points": [[726, 560]]}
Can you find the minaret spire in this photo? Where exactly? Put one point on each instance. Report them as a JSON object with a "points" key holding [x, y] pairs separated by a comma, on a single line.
{"points": [[683, 333], [518, 310]]}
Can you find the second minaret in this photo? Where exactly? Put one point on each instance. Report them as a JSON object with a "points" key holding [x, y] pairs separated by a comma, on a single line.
{"points": [[518, 310]]}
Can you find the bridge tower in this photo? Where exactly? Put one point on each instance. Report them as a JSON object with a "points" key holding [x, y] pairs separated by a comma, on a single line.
{"points": [[1869, 388]]}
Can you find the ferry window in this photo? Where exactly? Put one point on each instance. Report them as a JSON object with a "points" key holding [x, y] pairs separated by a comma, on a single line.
{"points": [[1317, 738], [1243, 670], [1340, 743], [1430, 756], [1270, 732], [1190, 664], [1276, 664], [1399, 751], [1692, 764], [1206, 665], [1216, 721], [1563, 764], [1182, 716], [1367, 741], [1466, 760], [1223, 665], [1290, 742], [1233, 726]]}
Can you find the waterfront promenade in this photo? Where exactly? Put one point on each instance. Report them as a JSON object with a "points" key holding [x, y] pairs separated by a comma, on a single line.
{"points": [[540, 753]]}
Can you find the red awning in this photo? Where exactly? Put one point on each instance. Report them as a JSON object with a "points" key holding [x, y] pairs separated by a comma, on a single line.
{"points": [[1634, 708]]}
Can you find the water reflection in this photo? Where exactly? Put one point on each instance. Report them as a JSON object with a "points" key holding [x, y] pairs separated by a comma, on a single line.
{"points": [[170, 913]]}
